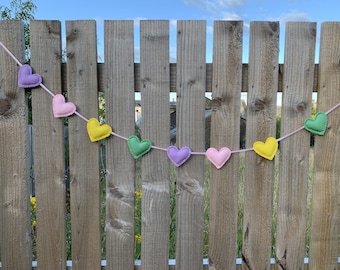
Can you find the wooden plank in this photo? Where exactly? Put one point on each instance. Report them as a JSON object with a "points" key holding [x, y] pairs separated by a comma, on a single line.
{"points": [[84, 155], [294, 151], [261, 123], [326, 194], [225, 120], [120, 166], [155, 127], [49, 160], [14, 212], [191, 46]]}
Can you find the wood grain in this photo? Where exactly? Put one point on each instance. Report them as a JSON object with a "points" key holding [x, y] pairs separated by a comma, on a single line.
{"points": [[49, 159], [84, 155]]}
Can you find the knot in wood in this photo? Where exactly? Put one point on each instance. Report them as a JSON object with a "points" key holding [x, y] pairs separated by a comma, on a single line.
{"points": [[216, 103], [301, 107]]}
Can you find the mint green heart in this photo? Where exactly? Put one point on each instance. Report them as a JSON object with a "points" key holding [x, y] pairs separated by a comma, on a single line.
{"points": [[318, 125], [138, 148]]}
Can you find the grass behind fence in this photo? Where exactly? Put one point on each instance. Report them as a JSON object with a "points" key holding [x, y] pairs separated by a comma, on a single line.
{"points": [[172, 237]]}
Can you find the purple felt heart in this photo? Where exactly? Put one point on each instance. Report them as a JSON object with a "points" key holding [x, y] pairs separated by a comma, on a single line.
{"points": [[26, 79], [178, 156]]}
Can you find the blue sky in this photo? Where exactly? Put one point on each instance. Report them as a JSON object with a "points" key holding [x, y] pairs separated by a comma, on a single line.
{"points": [[173, 10]]}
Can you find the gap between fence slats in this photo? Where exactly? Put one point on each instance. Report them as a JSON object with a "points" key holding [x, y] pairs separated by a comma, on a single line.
{"points": [[261, 124], [81, 46], [326, 189], [49, 159], [225, 119], [294, 154]]}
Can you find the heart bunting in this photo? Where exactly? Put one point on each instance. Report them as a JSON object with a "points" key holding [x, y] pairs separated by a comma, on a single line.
{"points": [[26, 79], [62, 108], [96, 131], [178, 156], [318, 125], [218, 157], [266, 150], [138, 148]]}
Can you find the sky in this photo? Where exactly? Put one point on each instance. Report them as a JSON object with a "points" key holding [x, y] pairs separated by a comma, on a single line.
{"points": [[173, 10]]}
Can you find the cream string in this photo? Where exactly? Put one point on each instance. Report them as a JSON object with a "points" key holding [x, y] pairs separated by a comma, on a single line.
{"points": [[156, 147]]}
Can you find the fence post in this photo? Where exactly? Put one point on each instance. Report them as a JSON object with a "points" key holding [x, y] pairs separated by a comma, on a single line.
{"points": [[14, 212]]}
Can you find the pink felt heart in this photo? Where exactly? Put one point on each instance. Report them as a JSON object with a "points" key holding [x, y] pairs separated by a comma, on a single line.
{"points": [[26, 79], [178, 156], [62, 108], [218, 157]]}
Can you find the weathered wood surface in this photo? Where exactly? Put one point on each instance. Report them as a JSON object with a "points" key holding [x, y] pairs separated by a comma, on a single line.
{"points": [[191, 46], [227, 80], [49, 159], [14, 192], [155, 77], [120, 165], [155, 127], [261, 124], [81, 46], [326, 189], [294, 153]]}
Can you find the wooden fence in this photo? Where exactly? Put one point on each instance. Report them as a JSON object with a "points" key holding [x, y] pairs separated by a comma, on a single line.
{"points": [[118, 78]]}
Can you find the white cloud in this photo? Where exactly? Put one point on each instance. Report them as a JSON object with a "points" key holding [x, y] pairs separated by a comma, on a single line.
{"points": [[215, 5], [291, 16]]}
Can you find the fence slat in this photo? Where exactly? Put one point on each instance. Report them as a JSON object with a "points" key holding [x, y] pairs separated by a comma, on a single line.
{"points": [[261, 123], [225, 120], [49, 160], [294, 151], [84, 155], [155, 78], [325, 205], [191, 44], [120, 166], [14, 214]]}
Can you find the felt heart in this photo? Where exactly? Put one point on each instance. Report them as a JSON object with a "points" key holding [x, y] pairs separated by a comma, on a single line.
{"points": [[218, 157], [318, 125], [178, 156], [266, 150], [26, 79], [62, 108], [138, 148], [96, 131]]}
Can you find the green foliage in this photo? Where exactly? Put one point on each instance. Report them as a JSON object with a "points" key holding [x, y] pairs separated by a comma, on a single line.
{"points": [[20, 10]]}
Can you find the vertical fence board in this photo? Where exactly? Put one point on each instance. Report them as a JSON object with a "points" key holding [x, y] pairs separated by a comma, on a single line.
{"points": [[155, 81], [84, 155], [326, 193], [261, 123], [191, 81], [15, 219], [294, 151], [225, 132], [120, 165], [49, 161]]}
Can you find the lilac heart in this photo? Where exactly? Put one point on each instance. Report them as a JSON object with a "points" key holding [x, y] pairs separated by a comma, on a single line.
{"points": [[26, 79], [178, 156]]}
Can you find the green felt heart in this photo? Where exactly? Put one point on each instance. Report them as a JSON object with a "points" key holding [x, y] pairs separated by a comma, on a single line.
{"points": [[318, 125], [138, 148]]}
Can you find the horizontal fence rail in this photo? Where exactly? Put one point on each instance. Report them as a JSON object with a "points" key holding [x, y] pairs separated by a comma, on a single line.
{"points": [[112, 194]]}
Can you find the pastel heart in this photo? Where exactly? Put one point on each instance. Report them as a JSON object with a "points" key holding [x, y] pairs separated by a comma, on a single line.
{"points": [[218, 157], [318, 125], [178, 156], [26, 79], [266, 150], [62, 108], [96, 131], [138, 148]]}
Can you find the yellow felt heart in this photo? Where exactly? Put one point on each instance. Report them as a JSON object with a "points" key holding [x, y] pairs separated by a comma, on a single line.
{"points": [[96, 131], [266, 150]]}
